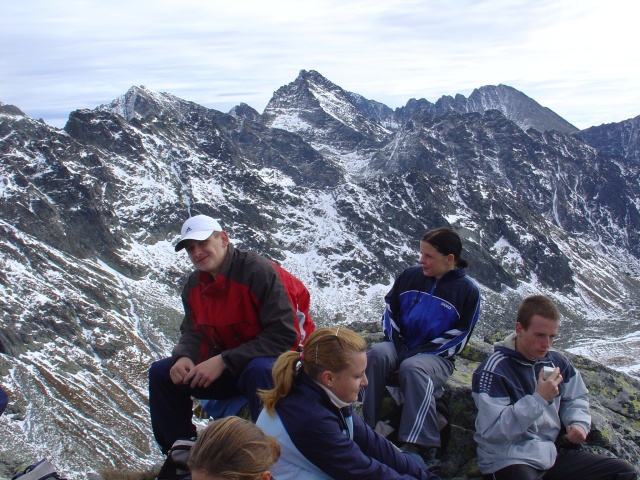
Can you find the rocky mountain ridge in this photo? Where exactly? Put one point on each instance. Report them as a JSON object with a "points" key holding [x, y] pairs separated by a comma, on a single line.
{"points": [[335, 187]]}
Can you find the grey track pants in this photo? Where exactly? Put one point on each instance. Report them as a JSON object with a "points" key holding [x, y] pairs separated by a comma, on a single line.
{"points": [[421, 379]]}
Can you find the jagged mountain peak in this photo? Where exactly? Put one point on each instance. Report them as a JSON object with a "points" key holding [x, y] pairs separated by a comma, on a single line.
{"points": [[323, 113], [518, 107], [501, 91], [515, 105], [620, 139], [141, 102], [12, 110], [245, 111], [310, 86], [319, 85], [312, 75]]}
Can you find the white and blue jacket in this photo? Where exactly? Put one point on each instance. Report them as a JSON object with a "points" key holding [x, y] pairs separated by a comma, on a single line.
{"points": [[429, 315], [320, 441], [515, 425]]}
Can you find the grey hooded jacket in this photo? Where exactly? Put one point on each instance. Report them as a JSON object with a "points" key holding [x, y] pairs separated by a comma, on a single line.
{"points": [[515, 425]]}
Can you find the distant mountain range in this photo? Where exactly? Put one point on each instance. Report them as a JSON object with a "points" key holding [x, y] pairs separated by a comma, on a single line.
{"points": [[335, 187]]}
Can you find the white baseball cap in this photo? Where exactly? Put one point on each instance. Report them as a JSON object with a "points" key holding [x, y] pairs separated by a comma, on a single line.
{"points": [[199, 227]]}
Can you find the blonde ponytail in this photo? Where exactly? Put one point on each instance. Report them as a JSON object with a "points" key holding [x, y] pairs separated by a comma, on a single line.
{"points": [[284, 373], [327, 348]]}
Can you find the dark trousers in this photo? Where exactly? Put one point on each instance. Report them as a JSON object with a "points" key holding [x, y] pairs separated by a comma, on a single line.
{"points": [[571, 464], [4, 400], [171, 406]]}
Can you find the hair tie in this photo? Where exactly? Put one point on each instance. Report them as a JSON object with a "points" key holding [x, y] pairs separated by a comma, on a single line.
{"points": [[302, 356], [298, 365]]}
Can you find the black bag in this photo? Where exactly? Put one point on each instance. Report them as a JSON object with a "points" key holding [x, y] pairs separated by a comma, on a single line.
{"points": [[176, 465], [43, 470]]}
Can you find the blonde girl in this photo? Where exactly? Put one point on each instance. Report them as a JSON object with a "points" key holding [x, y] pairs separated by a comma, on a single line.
{"points": [[310, 412]]}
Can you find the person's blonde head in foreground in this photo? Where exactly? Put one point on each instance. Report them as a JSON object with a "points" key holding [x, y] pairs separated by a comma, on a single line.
{"points": [[233, 449]]}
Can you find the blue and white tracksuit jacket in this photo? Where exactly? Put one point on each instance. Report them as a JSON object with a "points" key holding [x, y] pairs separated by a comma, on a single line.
{"points": [[429, 315], [515, 425], [318, 440]]}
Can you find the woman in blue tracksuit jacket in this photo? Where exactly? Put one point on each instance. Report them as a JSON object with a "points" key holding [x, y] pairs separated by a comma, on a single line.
{"points": [[310, 413], [431, 311]]}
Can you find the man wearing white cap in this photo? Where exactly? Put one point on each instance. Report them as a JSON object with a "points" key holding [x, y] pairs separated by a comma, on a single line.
{"points": [[241, 312]]}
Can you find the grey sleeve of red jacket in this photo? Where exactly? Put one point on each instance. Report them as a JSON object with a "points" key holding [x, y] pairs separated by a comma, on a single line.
{"points": [[189, 342]]}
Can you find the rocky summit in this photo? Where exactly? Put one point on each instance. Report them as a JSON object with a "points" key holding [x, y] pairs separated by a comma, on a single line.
{"points": [[335, 187]]}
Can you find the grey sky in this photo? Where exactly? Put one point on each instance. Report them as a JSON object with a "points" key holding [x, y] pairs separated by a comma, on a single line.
{"points": [[577, 57]]}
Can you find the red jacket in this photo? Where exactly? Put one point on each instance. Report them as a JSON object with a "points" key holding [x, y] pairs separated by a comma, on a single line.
{"points": [[254, 308]]}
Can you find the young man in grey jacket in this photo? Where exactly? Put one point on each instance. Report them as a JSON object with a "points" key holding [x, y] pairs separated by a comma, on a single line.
{"points": [[525, 393]]}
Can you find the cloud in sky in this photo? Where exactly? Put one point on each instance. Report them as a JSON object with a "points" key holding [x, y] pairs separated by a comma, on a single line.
{"points": [[578, 58]]}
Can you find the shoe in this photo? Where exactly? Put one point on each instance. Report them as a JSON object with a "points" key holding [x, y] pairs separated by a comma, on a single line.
{"points": [[431, 460], [429, 455], [410, 447], [176, 465]]}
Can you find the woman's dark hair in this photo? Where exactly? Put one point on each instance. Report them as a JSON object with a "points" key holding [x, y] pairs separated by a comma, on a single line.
{"points": [[447, 242]]}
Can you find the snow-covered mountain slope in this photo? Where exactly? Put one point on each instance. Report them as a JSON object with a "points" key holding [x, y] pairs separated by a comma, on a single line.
{"points": [[335, 187]]}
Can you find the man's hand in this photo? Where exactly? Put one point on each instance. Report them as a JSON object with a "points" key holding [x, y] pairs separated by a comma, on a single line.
{"points": [[180, 370], [205, 373], [548, 389], [575, 434]]}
